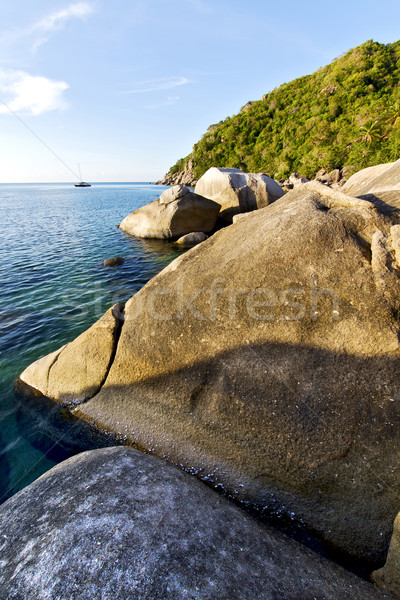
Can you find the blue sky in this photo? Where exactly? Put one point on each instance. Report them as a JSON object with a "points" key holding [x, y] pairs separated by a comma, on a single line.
{"points": [[126, 88]]}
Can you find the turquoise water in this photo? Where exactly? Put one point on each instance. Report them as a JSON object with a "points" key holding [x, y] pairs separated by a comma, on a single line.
{"points": [[54, 238]]}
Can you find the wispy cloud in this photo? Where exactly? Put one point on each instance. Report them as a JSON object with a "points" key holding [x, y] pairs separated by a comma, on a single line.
{"points": [[168, 102], [29, 94], [155, 85], [38, 33], [57, 20]]}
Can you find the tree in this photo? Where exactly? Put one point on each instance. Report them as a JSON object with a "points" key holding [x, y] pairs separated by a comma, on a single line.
{"points": [[370, 131]]}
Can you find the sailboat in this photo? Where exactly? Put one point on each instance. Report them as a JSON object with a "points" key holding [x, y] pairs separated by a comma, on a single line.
{"points": [[81, 183]]}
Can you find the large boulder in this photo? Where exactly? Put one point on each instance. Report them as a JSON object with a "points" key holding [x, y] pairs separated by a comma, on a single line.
{"points": [[176, 212], [267, 361], [237, 191], [379, 178], [77, 371], [119, 524]]}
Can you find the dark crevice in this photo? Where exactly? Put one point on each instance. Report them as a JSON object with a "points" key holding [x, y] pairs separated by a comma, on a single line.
{"points": [[364, 246], [52, 365], [118, 312], [321, 207], [198, 393]]}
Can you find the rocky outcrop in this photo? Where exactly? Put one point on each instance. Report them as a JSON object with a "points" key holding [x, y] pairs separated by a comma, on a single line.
{"points": [[267, 361], [185, 177], [119, 524], [175, 213], [192, 239], [236, 191], [388, 577], [332, 178], [296, 179], [379, 178], [336, 179]]}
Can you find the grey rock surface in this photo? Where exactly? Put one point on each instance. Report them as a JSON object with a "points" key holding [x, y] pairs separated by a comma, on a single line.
{"points": [[116, 524]]}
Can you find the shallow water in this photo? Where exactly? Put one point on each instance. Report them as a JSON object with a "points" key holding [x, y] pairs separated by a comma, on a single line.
{"points": [[54, 238]]}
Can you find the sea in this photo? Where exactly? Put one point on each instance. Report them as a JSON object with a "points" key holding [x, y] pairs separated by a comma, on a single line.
{"points": [[54, 238]]}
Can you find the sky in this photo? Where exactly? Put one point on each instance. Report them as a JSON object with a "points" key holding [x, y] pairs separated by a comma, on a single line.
{"points": [[126, 87]]}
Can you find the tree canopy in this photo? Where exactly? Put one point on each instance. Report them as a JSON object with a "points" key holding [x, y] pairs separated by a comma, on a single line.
{"points": [[346, 113]]}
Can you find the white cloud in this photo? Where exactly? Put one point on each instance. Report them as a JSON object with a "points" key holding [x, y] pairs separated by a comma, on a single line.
{"points": [[155, 85], [30, 94]]}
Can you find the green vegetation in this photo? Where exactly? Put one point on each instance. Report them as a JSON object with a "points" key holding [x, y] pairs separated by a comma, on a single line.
{"points": [[347, 113]]}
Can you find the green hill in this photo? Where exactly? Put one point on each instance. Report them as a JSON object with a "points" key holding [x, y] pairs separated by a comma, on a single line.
{"points": [[347, 113]]}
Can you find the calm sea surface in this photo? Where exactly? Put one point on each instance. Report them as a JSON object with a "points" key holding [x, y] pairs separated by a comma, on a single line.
{"points": [[54, 238]]}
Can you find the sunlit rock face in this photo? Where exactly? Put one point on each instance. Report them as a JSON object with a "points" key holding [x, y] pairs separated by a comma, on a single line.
{"points": [[175, 213], [266, 360], [380, 178], [237, 191]]}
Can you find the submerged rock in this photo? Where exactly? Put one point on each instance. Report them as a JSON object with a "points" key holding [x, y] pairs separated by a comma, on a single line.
{"points": [[115, 261], [119, 524], [176, 212], [237, 191], [267, 361]]}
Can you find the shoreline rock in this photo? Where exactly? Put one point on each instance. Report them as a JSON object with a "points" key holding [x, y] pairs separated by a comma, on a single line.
{"points": [[281, 397], [177, 212], [335, 179], [185, 177]]}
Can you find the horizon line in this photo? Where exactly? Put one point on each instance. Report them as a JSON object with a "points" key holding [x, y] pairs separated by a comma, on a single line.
{"points": [[146, 181]]}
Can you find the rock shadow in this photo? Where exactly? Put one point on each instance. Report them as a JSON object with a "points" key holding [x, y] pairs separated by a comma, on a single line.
{"points": [[304, 438]]}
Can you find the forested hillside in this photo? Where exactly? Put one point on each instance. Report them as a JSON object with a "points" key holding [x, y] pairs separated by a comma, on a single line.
{"points": [[347, 113]]}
